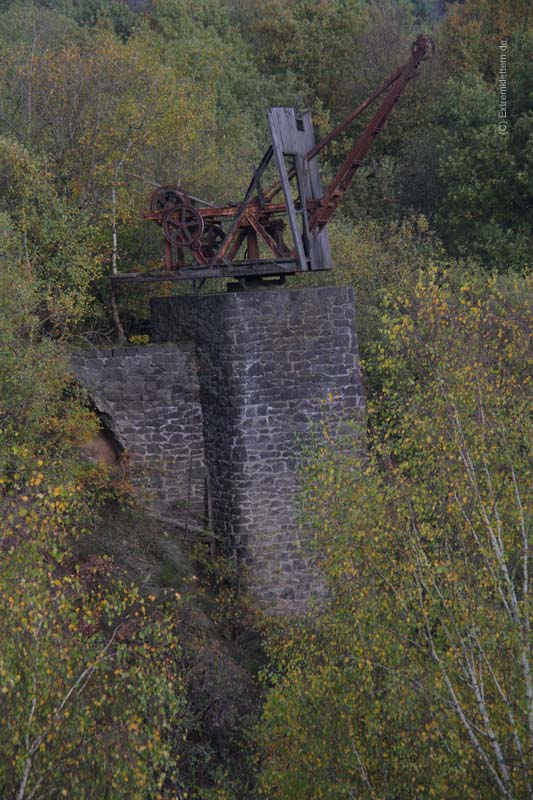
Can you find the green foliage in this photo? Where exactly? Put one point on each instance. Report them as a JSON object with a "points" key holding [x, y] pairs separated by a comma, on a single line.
{"points": [[91, 692], [415, 679], [234, 610], [92, 13], [327, 45], [486, 192], [473, 30], [483, 196], [55, 253], [40, 411]]}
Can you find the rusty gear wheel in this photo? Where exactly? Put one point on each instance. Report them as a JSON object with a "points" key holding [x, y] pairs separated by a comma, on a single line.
{"points": [[183, 226], [167, 197], [212, 238]]}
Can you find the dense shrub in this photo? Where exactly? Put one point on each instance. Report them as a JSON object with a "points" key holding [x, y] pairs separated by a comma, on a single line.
{"points": [[415, 680]]}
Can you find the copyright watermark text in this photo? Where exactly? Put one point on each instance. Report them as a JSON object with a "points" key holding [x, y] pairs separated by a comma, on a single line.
{"points": [[503, 126]]}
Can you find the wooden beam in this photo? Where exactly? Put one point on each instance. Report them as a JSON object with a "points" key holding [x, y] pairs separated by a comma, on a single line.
{"points": [[282, 127], [242, 269]]}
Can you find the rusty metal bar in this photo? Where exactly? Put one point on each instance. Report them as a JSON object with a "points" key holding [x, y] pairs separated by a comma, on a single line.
{"points": [[341, 127], [273, 190], [259, 229], [354, 159], [230, 235], [228, 211]]}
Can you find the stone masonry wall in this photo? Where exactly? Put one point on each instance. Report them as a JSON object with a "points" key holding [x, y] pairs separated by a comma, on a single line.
{"points": [[149, 398], [272, 364]]}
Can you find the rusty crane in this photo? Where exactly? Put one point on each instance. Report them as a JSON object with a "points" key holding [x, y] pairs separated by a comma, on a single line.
{"points": [[206, 241]]}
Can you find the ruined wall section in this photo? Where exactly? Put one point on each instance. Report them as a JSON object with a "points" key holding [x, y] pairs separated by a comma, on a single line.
{"points": [[149, 398]]}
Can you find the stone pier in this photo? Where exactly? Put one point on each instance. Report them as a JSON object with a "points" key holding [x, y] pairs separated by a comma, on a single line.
{"points": [[272, 364]]}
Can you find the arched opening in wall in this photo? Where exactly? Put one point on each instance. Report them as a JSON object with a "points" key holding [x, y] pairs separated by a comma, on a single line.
{"points": [[105, 447]]}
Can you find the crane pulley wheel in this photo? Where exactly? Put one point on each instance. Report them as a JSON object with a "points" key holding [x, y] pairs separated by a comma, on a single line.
{"points": [[429, 47], [183, 226], [166, 197]]}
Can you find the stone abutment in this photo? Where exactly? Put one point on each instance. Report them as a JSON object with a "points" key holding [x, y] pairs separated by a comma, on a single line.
{"points": [[225, 397]]}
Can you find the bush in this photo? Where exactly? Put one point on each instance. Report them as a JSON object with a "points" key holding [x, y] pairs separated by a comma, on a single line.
{"points": [[415, 680], [91, 691]]}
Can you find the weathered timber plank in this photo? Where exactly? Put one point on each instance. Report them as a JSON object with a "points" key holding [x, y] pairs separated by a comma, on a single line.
{"points": [[241, 270], [319, 249], [283, 131], [296, 137]]}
